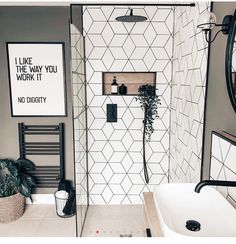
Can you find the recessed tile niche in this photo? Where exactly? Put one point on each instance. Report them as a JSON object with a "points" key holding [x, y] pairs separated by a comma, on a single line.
{"points": [[132, 80]]}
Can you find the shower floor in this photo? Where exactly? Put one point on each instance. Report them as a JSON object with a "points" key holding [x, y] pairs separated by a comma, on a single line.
{"points": [[114, 221]]}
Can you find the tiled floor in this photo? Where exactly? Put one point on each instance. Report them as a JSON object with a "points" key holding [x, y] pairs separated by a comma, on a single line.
{"points": [[101, 221], [39, 221], [114, 220]]}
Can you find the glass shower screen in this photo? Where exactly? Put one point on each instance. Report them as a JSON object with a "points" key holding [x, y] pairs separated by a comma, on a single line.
{"points": [[80, 125]]}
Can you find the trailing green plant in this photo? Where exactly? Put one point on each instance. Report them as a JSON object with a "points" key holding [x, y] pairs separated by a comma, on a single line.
{"points": [[14, 177], [149, 102]]}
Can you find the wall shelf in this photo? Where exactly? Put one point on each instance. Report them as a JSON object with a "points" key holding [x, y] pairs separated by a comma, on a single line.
{"points": [[130, 79]]}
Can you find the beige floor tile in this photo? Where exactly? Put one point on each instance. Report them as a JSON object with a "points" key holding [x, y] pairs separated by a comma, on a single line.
{"points": [[39, 220], [56, 228], [101, 221], [50, 213], [39, 211], [19, 228], [113, 220]]}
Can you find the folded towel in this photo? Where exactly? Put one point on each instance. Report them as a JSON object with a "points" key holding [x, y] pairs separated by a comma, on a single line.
{"points": [[69, 208], [64, 185]]}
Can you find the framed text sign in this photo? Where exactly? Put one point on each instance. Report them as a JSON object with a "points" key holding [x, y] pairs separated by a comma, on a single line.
{"points": [[37, 79]]}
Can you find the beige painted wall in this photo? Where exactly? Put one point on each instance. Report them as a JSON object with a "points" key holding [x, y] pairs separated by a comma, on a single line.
{"points": [[33, 24], [219, 111]]}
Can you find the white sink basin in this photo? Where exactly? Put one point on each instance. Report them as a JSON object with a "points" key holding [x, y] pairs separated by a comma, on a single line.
{"points": [[176, 203]]}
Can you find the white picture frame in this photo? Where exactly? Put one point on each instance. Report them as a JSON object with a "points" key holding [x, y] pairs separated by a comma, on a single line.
{"points": [[37, 79]]}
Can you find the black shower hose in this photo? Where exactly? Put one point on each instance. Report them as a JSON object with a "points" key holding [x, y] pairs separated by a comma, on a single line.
{"points": [[144, 149]]}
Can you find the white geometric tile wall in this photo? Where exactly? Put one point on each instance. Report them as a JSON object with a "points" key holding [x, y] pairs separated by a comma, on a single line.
{"points": [[79, 120], [115, 149], [223, 165], [188, 94]]}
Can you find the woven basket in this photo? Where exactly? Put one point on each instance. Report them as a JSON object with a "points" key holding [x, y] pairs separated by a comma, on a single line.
{"points": [[11, 208]]}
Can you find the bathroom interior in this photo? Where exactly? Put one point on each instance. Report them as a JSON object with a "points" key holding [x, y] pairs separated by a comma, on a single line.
{"points": [[178, 182]]}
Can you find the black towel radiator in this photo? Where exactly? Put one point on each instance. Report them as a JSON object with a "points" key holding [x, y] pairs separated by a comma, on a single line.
{"points": [[46, 176]]}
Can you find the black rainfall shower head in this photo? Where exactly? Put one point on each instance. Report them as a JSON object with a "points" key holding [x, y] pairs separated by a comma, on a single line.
{"points": [[131, 17]]}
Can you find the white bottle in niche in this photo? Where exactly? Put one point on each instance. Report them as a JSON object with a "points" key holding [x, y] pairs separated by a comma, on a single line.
{"points": [[114, 86]]}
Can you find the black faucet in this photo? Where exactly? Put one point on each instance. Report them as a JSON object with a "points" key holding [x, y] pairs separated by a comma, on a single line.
{"points": [[214, 183]]}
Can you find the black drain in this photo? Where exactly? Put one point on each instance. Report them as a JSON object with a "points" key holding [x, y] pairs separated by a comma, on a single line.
{"points": [[193, 225]]}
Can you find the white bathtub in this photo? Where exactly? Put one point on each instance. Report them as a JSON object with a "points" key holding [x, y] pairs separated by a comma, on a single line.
{"points": [[176, 203]]}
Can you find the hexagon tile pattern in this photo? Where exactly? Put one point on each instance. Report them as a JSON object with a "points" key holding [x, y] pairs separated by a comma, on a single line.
{"points": [[115, 149], [188, 94], [223, 167]]}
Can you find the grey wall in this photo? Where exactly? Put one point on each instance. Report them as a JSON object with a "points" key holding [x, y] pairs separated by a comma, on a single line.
{"points": [[219, 111], [33, 24], [77, 16]]}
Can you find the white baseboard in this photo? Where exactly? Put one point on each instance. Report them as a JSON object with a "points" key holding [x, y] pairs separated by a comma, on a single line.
{"points": [[41, 199]]}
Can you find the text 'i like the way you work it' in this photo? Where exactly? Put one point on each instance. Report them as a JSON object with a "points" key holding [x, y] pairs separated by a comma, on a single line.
{"points": [[26, 71]]}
